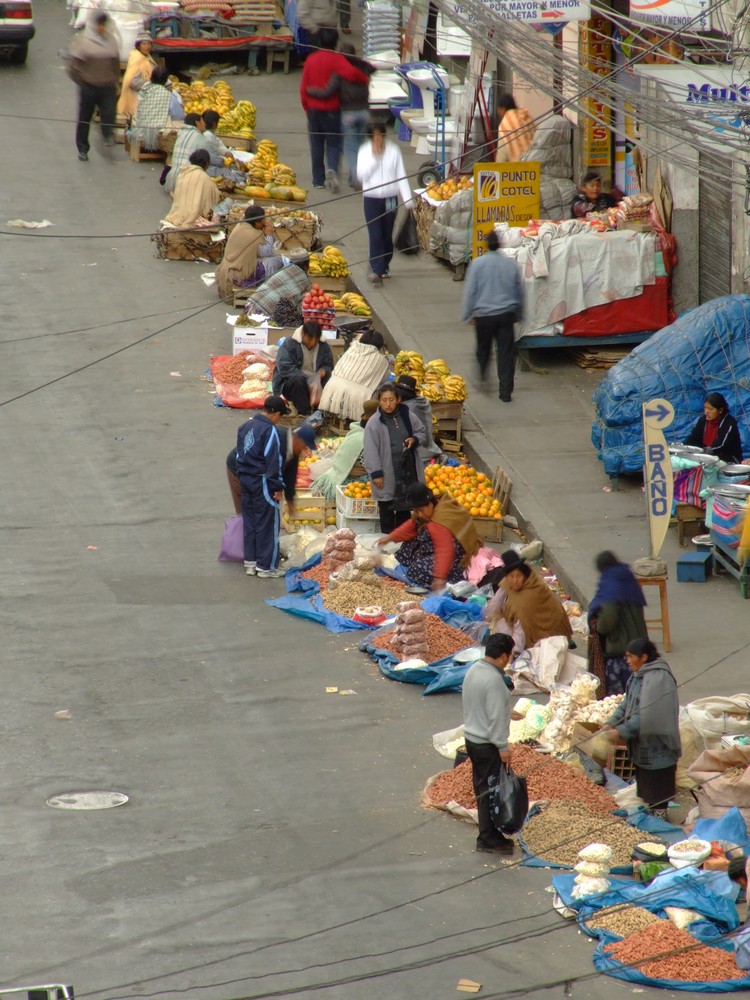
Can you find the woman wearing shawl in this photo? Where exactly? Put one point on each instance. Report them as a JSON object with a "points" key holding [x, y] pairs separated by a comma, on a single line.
{"points": [[438, 540], [249, 257], [525, 600], [157, 106], [348, 454], [195, 195], [615, 618], [515, 130], [647, 720], [137, 72]]}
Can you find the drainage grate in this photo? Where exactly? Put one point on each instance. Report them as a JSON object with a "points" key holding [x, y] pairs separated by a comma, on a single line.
{"points": [[87, 800]]}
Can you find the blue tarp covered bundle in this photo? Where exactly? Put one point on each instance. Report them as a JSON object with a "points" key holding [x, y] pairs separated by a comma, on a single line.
{"points": [[706, 350]]}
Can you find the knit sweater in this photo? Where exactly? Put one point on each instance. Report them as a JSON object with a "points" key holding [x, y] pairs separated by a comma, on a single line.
{"points": [[486, 704]]}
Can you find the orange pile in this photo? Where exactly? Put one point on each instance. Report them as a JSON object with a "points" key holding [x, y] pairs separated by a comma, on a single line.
{"points": [[358, 491], [472, 489]]}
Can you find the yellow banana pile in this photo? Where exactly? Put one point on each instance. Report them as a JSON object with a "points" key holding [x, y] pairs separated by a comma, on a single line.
{"points": [[197, 97], [409, 363], [434, 379], [353, 303], [331, 262], [260, 168], [282, 174], [455, 389], [239, 121]]}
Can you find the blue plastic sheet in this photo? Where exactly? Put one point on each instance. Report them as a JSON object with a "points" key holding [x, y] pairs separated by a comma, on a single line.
{"points": [[314, 611], [706, 350], [730, 827], [455, 613], [605, 963], [296, 583], [667, 832], [442, 675]]}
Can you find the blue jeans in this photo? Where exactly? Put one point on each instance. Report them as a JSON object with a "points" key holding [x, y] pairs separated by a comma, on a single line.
{"points": [[354, 126], [324, 133], [380, 232]]}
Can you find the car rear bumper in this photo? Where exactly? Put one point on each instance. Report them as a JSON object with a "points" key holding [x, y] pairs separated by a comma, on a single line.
{"points": [[16, 34]]}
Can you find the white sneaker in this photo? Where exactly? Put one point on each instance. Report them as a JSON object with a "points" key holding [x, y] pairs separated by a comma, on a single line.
{"points": [[251, 569], [273, 574], [332, 181]]}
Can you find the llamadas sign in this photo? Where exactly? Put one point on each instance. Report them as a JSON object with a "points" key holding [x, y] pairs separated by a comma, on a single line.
{"points": [[504, 192]]}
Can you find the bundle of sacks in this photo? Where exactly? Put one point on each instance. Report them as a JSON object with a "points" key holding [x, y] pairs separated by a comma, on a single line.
{"points": [[592, 870], [410, 635], [339, 548], [359, 570]]}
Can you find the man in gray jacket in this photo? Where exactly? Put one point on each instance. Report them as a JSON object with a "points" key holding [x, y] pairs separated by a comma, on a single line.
{"points": [[487, 712]]}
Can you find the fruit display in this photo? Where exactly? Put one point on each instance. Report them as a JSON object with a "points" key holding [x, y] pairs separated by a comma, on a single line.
{"points": [[330, 262], [286, 313], [239, 121], [268, 178], [197, 97], [472, 489], [318, 305], [352, 303], [358, 491], [446, 190], [434, 379]]}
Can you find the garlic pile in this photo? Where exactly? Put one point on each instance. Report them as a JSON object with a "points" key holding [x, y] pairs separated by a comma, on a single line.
{"points": [[256, 381], [591, 870], [599, 711]]}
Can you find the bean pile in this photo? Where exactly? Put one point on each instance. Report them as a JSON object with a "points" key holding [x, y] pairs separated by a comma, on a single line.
{"points": [[692, 963], [454, 786], [549, 778], [322, 572], [622, 920], [562, 829], [230, 371], [347, 597], [442, 640]]}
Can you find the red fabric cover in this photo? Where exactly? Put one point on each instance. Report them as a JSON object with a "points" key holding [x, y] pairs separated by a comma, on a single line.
{"points": [[318, 70], [215, 43], [647, 311], [228, 393]]}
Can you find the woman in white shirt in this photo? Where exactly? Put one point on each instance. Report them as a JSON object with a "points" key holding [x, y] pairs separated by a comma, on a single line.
{"points": [[381, 172]]}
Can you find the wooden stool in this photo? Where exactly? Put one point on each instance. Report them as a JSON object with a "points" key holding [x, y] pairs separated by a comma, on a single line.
{"points": [[662, 622], [277, 55]]}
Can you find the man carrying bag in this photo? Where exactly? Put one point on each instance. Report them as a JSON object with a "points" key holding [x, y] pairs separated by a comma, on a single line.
{"points": [[487, 711]]}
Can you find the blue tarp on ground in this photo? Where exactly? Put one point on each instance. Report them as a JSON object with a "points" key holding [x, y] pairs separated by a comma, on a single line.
{"points": [[314, 610], [706, 350]]}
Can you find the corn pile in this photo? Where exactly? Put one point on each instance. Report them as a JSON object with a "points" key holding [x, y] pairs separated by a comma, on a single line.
{"points": [[197, 97], [331, 262], [434, 379], [353, 303], [446, 190], [239, 121]]}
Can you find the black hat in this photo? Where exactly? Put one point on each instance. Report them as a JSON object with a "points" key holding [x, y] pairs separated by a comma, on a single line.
{"points": [[419, 495], [276, 404], [406, 383], [512, 560]]}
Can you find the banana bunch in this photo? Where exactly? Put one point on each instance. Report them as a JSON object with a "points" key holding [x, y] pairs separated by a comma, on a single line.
{"points": [[433, 392], [239, 121], [409, 363], [330, 262], [455, 389], [283, 175], [197, 97], [260, 168], [438, 367], [355, 304]]}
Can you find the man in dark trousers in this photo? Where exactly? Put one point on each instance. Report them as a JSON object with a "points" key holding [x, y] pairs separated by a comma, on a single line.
{"points": [[487, 712], [301, 359], [260, 461], [493, 302]]}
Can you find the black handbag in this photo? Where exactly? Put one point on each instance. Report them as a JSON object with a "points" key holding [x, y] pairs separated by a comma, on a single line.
{"points": [[406, 475]]}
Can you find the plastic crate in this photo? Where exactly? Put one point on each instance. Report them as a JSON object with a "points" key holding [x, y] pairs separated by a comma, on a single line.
{"points": [[359, 525], [351, 507], [619, 763]]}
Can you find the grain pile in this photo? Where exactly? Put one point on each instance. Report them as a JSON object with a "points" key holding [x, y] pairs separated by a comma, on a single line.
{"points": [[454, 786], [661, 951], [562, 829], [442, 640], [622, 920], [350, 595], [229, 372]]}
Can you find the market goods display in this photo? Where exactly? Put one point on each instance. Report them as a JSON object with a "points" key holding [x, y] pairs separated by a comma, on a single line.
{"points": [[472, 489], [446, 190], [535, 718], [453, 786], [318, 305], [571, 705], [662, 951], [231, 371], [597, 712], [434, 379], [197, 97], [591, 871], [239, 121], [622, 920], [346, 597], [442, 640], [410, 634], [353, 303], [255, 381], [329, 262], [266, 177], [549, 778], [286, 313], [358, 491], [339, 548], [559, 831]]}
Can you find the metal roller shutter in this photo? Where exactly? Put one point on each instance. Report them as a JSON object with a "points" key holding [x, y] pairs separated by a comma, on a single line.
{"points": [[715, 228]]}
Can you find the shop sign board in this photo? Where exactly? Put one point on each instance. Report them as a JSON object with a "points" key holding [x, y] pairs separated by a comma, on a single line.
{"points": [[503, 192], [713, 96], [530, 11], [673, 13], [597, 55], [658, 414]]}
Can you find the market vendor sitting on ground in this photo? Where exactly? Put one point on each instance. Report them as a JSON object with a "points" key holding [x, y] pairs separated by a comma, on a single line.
{"points": [[356, 376], [195, 195], [303, 365], [591, 198], [249, 257], [348, 454], [157, 107], [189, 138], [524, 600], [438, 541], [717, 432], [406, 387], [615, 619]]}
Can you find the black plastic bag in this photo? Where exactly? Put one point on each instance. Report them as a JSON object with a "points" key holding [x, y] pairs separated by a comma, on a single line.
{"points": [[406, 240], [406, 475], [509, 800]]}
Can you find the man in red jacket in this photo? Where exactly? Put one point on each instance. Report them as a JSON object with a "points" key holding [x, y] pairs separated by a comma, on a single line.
{"points": [[324, 114]]}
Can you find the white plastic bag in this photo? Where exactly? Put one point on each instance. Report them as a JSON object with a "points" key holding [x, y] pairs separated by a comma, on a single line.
{"points": [[448, 741], [715, 717]]}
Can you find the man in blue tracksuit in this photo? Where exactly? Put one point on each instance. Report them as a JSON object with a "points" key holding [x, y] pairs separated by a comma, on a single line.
{"points": [[260, 462]]}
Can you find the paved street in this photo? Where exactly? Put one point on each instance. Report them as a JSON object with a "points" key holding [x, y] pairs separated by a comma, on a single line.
{"points": [[274, 839]]}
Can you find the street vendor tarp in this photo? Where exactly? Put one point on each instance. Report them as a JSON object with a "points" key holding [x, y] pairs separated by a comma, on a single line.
{"points": [[314, 610], [228, 393], [705, 350], [608, 965]]}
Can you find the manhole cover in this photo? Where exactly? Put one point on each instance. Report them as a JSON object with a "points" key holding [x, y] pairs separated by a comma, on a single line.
{"points": [[87, 800]]}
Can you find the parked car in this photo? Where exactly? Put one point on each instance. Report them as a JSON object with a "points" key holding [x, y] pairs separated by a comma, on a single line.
{"points": [[16, 29]]}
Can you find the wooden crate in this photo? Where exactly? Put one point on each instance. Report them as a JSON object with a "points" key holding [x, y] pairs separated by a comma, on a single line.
{"points": [[329, 284], [619, 763], [337, 425], [137, 153], [490, 529], [688, 514], [244, 142], [319, 510], [448, 417]]}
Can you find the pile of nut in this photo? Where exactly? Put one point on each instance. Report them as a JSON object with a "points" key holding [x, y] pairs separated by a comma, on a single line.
{"points": [[661, 951], [346, 597], [559, 831], [442, 640], [622, 920], [549, 778], [339, 548]]}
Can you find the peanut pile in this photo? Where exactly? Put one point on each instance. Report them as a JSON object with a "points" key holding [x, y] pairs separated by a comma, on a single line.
{"points": [[230, 371], [347, 597], [661, 951], [622, 920], [454, 786], [442, 640], [562, 829], [549, 778]]}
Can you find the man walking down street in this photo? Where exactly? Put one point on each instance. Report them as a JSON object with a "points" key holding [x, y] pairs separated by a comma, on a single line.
{"points": [[493, 302], [486, 704], [94, 64]]}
